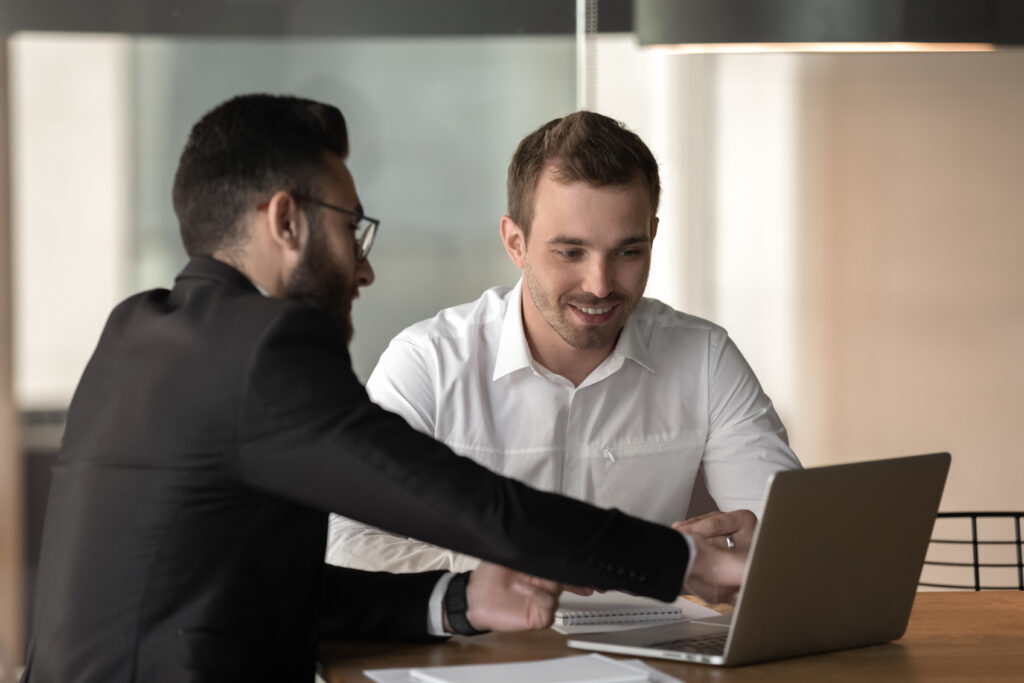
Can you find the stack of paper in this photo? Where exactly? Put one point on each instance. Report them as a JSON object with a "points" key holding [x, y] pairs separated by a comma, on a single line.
{"points": [[593, 668]]}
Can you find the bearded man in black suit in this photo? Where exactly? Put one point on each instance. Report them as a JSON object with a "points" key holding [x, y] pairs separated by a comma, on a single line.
{"points": [[218, 423]]}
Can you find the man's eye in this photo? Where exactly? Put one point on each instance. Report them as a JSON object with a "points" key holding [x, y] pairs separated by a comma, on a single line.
{"points": [[569, 253]]}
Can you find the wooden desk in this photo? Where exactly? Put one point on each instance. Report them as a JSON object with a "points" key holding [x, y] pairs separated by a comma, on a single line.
{"points": [[951, 637]]}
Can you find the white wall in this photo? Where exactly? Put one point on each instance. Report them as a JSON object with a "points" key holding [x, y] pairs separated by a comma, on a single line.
{"points": [[724, 131], [914, 233], [71, 189]]}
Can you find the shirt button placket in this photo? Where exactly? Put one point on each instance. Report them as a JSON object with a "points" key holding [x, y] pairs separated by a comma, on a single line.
{"points": [[571, 484]]}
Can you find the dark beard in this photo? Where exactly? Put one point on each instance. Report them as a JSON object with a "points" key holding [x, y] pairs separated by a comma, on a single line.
{"points": [[317, 283]]}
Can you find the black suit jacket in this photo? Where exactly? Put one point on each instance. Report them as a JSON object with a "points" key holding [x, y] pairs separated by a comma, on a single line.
{"points": [[212, 431]]}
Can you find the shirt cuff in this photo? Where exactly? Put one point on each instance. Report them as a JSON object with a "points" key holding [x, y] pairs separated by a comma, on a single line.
{"points": [[689, 563], [435, 606]]}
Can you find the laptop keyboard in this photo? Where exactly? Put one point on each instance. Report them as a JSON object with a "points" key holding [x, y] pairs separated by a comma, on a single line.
{"points": [[713, 644]]}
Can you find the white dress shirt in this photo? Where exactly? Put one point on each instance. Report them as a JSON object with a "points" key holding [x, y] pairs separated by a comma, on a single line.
{"points": [[674, 394]]}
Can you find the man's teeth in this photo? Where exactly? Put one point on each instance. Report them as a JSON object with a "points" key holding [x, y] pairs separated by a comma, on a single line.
{"points": [[594, 311]]}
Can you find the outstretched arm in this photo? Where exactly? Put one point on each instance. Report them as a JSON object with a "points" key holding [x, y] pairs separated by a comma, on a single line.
{"points": [[308, 433]]}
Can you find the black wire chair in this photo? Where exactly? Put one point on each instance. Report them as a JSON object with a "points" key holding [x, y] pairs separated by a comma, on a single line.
{"points": [[975, 542]]}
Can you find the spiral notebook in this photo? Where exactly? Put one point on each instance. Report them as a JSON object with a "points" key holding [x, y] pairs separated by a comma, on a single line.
{"points": [[613, 609]]}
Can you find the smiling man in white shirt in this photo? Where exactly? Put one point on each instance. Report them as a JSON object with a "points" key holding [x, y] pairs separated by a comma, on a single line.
{"points": [[571, 380]]}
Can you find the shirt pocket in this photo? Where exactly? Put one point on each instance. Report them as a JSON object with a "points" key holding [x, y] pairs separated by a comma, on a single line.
{"points": [[650, 480]]}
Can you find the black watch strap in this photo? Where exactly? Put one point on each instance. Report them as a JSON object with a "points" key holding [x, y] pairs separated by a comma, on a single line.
{"points": [[455, 606]]}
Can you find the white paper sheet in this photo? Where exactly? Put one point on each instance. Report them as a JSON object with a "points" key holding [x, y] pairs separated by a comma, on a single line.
{"points": [[589, 668]]}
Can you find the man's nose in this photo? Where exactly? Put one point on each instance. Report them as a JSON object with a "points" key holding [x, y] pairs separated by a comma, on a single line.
{"points": [[598, 278], [364, 273]]}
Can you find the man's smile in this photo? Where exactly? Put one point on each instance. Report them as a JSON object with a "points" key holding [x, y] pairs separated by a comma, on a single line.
{"points": [[594, 315]]}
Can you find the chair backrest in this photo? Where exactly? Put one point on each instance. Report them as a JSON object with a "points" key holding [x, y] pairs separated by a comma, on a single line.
{"points": [[984, 555]]}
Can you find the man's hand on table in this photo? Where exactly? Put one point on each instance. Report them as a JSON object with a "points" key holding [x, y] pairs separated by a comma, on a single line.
{"points": [[722, 541], [500, 599], [738, 524]]}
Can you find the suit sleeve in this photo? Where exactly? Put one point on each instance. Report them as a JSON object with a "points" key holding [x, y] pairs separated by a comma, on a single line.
{"points": [[360, 605], [403, 383], [308, 432]]}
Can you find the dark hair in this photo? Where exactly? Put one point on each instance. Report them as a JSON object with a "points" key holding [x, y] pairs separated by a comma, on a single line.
{"points": [[243, 151], [581, 146]]}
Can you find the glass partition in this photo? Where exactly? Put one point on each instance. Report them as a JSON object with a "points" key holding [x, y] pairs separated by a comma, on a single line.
{"points": [[433, 122]]}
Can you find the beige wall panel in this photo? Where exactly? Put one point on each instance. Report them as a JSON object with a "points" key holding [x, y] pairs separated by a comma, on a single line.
{"points": [[914, 290]]}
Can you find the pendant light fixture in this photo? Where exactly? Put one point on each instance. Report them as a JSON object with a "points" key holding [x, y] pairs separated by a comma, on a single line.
{"points": [[829, 25]]}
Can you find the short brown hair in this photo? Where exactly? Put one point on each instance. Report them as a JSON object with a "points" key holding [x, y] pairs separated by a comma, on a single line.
{"points": [[581, 146]]}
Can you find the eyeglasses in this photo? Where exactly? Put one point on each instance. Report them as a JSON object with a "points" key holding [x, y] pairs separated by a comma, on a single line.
{"points": [[365, 227]]}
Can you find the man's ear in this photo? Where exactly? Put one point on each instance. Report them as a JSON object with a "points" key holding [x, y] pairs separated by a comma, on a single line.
{"points": [[514, 239], [654, 227], [286, 226]]}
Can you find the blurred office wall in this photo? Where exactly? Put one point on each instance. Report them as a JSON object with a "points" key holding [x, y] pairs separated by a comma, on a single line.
{"points": [[856, 222], [911, 236]]}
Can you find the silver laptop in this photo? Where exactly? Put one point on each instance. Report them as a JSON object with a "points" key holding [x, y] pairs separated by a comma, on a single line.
{"points": [[834, 564]]}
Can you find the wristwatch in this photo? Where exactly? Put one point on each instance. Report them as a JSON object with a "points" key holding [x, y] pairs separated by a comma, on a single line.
{"points": [[455, 606]]}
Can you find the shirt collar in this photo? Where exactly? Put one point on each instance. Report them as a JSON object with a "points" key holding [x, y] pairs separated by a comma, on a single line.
{"points": [[514, 352], [632, 345]]}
